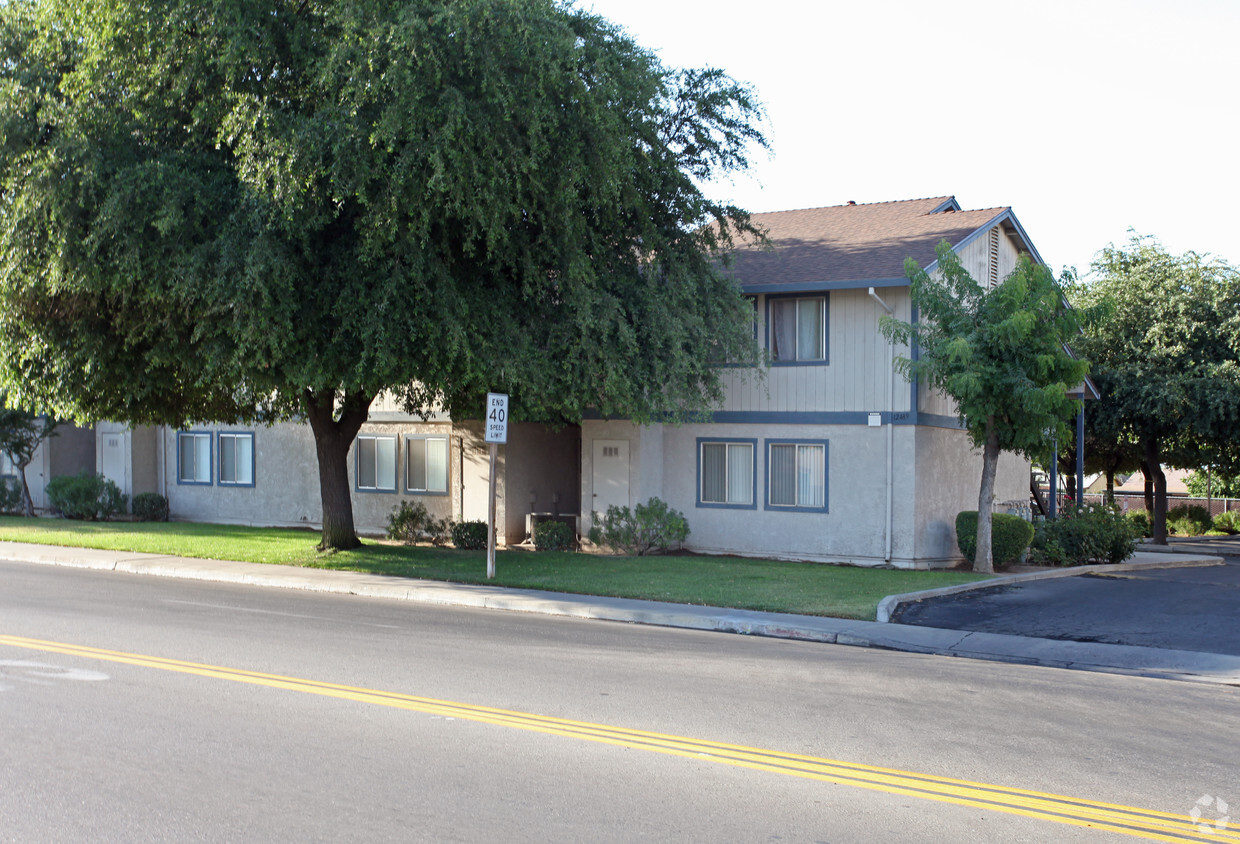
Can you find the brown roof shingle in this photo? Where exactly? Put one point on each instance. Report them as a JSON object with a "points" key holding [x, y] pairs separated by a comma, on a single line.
{"points": [[853, 242]]}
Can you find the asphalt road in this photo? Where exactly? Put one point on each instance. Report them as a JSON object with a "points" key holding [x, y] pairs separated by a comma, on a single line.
{"points": [[226, 713], [1191, 609]]}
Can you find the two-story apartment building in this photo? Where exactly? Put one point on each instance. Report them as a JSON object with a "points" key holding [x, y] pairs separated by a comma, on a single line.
{"points": [[832, 456], [827, 455]]}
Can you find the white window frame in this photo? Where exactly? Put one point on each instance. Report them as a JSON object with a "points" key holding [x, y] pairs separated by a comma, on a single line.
{"points": [[379, 461], [804, 450], [796, 358], [230, 440], [425, 442], [200, 439], [729, 443]]}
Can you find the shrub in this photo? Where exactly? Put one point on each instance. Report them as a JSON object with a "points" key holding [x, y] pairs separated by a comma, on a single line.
{"points": [[1140, 522], [10, 495], [410, 523], [85, 496], [406, 522], [150, 507], [1228, 523], [470, 536], [1188, 520], [1092, 533], [1009, 536], [554, 536], [651, 526]]}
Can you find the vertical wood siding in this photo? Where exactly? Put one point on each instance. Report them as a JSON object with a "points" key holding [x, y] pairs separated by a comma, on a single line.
{"points": [[854, 379]]}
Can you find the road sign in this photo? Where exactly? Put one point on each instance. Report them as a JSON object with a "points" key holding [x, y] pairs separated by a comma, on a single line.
{"points": [[496, 418]]}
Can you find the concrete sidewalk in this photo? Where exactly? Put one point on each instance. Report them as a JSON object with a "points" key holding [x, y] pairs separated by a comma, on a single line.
{"points": [[1119, 659]]}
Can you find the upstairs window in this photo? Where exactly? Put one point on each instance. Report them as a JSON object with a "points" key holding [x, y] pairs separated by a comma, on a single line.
{"points": [[799, 329]]}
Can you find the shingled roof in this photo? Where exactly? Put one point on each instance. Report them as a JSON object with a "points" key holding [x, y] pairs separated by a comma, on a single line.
{"points": [[857, 244]]}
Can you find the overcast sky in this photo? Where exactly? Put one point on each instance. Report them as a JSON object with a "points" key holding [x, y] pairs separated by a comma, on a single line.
{"points": [[1087, 117]]}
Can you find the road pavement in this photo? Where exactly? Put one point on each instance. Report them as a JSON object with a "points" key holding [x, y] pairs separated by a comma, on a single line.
{"points": [[142, 708], [1169, 662]]}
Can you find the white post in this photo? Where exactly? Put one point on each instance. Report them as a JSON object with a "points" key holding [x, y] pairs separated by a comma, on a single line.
{"points": [[491, 516], [495, 421]]}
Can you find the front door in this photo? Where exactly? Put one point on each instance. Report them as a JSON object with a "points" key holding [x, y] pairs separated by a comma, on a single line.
{"points": [[610, 475]]}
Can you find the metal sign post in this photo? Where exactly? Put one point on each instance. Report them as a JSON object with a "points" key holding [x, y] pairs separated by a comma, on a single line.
{"points": [[495, 420]]}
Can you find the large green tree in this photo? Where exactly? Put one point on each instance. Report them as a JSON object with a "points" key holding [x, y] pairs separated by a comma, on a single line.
{"points": [[1001, 354], [272, 209], [1169, 351]]}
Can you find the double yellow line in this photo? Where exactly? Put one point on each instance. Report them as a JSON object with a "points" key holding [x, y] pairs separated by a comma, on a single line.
{"points": [[1141, 823]]}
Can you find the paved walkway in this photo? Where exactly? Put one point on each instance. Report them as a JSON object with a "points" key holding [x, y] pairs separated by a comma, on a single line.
{"points": [[1122, 659]]}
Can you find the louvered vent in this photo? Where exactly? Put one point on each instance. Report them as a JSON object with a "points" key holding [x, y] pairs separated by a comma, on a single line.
{"points": [[992, 261]]}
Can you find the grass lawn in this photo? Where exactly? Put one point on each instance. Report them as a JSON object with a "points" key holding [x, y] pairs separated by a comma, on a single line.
{"points": [[770, 585]]}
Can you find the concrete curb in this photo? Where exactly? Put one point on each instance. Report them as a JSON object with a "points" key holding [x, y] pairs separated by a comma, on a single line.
{"points": [[1118, 659], [890, 605]]}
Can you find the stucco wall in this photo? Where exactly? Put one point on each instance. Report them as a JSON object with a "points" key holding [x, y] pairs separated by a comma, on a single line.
{"points": [[949, 473], [853, 529], [286, 480]]}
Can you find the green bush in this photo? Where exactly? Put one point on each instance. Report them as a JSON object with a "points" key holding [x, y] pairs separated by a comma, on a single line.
{"points": [[649, 527], [10, 495], [1188, 520], [1140, 522], [1092, 533], [85, 496], [470, 536], [410, 523], [554, 536], [1009, 536], [149, 507], [1228, 523]]}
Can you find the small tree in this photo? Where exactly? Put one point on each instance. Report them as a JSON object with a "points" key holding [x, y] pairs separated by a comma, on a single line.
{"points": [[21, 432], [1001, 354]]}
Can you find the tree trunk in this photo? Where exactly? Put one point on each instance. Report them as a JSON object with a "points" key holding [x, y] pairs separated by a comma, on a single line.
{"points": [[332, 439], [984, 559], [1158, 516], [27, 501], [1148, 474], [1110, 485]]}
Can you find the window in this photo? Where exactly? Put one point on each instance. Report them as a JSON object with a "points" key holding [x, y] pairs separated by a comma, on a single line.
{"points": [[237, 459], [426, 465], [194, 457], [799, 330], [376, 463], [8, 469], [725, 473], [797, 475]]}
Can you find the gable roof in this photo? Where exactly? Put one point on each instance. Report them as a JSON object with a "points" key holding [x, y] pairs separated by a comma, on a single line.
{"points": [[859, 245]]}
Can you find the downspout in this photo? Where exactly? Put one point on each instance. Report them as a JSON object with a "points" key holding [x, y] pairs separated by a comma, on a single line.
{"points": [[891, 427]]}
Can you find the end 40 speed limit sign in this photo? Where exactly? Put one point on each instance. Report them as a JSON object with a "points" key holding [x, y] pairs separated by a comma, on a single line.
{"points": [[497, 418]]}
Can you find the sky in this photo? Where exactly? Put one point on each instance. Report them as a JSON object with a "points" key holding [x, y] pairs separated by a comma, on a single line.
{"points": [[1088, 118]]}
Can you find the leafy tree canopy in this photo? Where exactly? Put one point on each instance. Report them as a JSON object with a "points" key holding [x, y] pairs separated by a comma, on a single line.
{"points": [[1168, 352], [1202, 483], [1001, 354], [263, 209]]}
